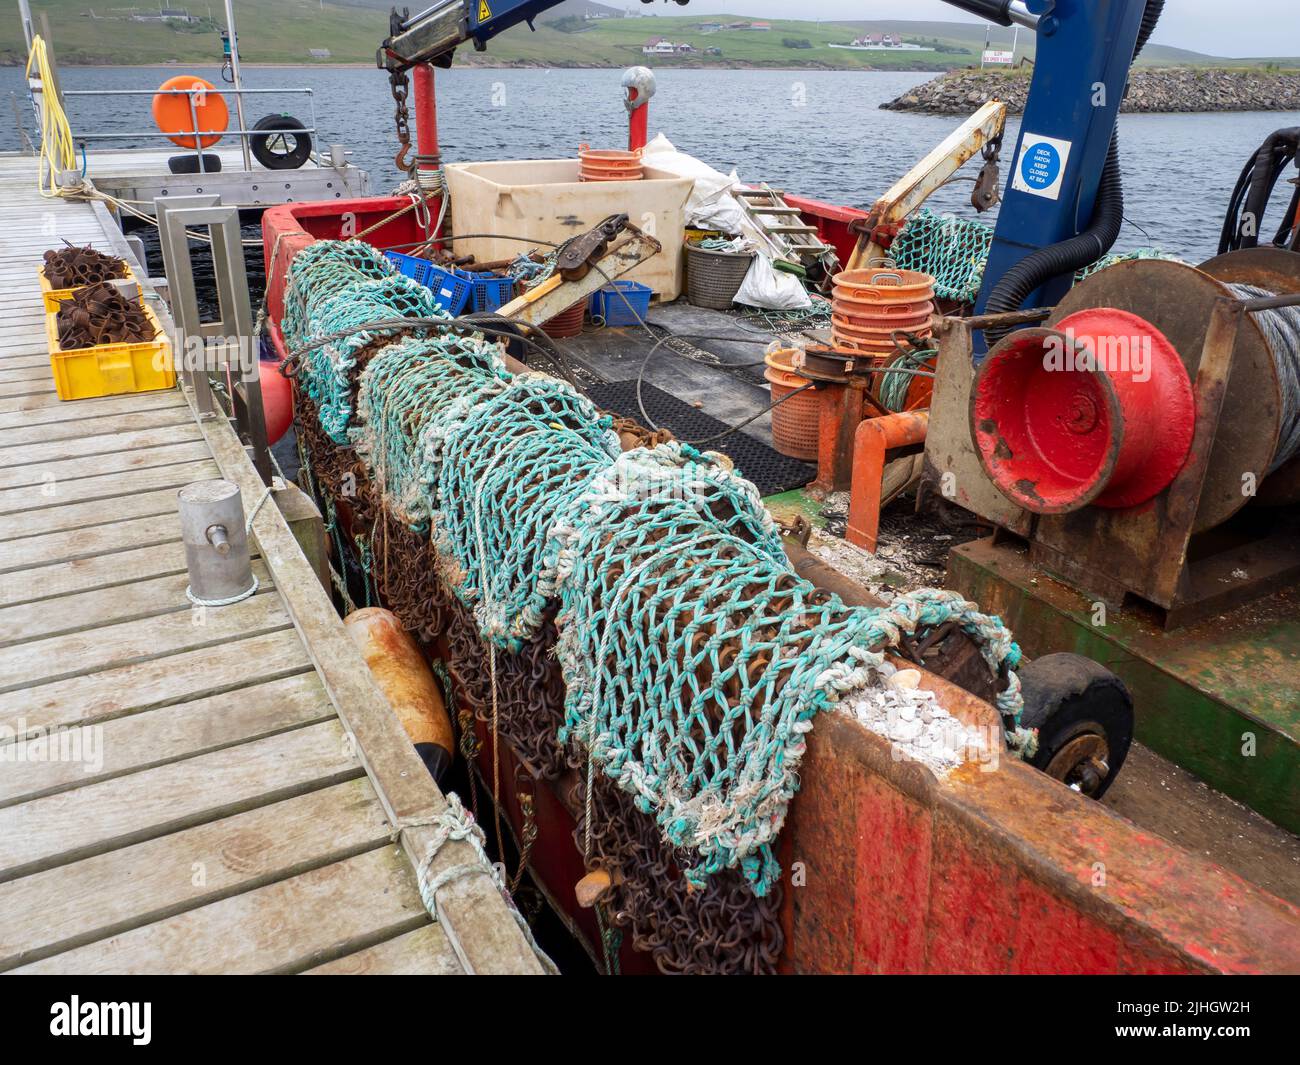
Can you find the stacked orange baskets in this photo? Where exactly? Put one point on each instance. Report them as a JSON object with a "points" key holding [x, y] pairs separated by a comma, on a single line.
{"points": [[872, 309], [794, 420], [869, 306], [608, 164]]}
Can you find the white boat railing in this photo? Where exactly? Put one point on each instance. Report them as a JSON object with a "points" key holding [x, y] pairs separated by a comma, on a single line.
{"points": [[197, 96]]}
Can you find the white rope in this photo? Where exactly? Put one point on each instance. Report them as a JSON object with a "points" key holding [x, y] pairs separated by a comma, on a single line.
{"points": [[277, 485], [228, 601], [455, 824]]}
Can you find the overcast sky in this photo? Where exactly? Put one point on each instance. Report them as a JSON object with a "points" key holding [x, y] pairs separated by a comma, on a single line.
{"points": [[1252, 28]]}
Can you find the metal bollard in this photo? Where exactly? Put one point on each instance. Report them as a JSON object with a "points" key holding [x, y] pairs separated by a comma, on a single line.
{"points": [[216, 543]]}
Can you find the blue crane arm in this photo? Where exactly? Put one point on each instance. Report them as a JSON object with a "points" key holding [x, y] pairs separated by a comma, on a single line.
{"points": [[1084, 51], [432, 34]]}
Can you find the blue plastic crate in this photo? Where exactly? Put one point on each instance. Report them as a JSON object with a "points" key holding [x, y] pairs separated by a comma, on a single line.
{"points": [[491, 291], [414, 268], [451, 291], [610, 303]]}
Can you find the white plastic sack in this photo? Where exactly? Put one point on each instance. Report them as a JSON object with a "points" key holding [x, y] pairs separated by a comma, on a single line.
{"points": [[773, 289], [710, 204]]}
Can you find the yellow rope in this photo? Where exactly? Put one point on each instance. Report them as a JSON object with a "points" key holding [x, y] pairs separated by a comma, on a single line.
{"points": [[57, 150]]}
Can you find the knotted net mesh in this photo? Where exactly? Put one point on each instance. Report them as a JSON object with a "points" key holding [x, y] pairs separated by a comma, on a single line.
{"points": [[955, 251], [694, 659]]}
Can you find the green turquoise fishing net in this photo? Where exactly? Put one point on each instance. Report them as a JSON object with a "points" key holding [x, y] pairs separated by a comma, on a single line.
{"points": [[694, 657], [955, 251]]}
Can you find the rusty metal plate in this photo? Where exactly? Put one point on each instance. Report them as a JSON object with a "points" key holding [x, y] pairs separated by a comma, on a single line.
{"points": [[1277, 271], [952, 468], [1177, 300]]}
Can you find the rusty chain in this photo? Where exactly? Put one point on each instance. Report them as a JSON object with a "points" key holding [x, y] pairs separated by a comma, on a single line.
{"points": [[400, 86]]}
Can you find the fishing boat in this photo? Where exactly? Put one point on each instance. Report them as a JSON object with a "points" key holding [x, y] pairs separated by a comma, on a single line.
{"points": [[537, 647]]}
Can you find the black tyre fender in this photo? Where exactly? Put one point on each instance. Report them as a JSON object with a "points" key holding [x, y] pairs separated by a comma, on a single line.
{"points": [[1084, 716], [261, 149]]}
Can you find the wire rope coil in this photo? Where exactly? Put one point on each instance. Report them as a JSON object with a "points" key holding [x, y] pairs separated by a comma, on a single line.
{"points": [[1281, 329]]}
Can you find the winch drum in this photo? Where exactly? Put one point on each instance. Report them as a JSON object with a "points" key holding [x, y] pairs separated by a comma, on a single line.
{"points": [[1178, 299]]}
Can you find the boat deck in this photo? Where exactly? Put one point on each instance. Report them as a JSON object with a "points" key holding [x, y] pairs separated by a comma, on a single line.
{"points": [[187, 790], [714, 363]]}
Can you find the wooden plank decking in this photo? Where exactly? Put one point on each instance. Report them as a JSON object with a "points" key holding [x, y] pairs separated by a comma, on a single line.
{"points": [[185, 790]]}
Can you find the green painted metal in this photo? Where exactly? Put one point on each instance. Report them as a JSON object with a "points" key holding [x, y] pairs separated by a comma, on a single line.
{"points": [[1221, 699], [784, 505]]}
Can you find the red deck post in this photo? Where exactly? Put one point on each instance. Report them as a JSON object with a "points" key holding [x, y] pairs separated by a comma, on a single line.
{"points": [[426, 118], [637, 124], [638, 87]]}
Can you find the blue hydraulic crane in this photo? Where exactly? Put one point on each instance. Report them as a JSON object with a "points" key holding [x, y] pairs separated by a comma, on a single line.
{"points": [[431, 35], [1064, 199]]}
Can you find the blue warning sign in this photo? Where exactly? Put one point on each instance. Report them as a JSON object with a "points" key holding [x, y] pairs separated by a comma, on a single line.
{"points": [[1040, 170], [1041, 166]]}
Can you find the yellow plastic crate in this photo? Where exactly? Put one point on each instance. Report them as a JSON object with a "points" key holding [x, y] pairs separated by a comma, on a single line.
{"points": [[111, 369], [53, 296]]}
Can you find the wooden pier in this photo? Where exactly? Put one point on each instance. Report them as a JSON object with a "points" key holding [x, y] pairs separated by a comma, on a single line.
{"points": [[188, 790]]}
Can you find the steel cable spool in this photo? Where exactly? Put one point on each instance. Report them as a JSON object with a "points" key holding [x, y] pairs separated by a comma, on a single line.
{"points": [[1281, 326]]}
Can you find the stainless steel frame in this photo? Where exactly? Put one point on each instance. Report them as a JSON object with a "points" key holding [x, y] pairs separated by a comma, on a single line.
{"points": [[233, 331]]}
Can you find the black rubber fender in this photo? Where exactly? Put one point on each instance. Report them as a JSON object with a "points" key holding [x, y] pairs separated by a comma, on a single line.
{"points": [[1067, 695], [189, 164]]}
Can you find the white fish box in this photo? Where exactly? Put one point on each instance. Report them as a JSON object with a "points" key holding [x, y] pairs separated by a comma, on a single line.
{"points": [[542, 199]]}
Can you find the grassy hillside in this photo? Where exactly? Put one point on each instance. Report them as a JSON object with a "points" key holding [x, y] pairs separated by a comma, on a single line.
{"points": [[283, 31]]}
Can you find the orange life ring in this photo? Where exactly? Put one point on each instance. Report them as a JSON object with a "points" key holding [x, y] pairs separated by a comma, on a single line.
{"points": [[172, 111]]}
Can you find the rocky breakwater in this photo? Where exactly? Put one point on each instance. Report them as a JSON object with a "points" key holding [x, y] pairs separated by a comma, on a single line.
{"points": [[1152, 90]]}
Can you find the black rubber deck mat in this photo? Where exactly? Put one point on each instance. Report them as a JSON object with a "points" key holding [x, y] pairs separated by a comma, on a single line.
{"points": [[771, 471]]}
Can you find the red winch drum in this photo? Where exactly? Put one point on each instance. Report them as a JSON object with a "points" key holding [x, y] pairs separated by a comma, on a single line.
{"points": [[1098, 411]]}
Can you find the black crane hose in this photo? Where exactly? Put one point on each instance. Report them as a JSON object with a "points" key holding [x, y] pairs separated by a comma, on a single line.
{"points": [[1254, 189], [1035, 270]]}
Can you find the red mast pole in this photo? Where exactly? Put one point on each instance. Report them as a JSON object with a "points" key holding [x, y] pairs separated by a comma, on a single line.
{"points": [[638, 86], [428, 158], [426, 118], [637, 122]]}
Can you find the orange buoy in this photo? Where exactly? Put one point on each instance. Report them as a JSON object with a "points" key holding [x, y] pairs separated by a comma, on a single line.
{"points": [[408, 684], [277, 400], [171, 110]]}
